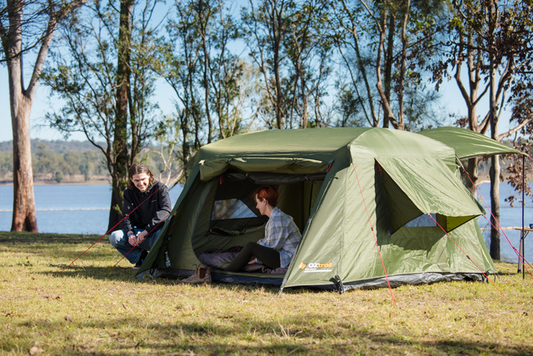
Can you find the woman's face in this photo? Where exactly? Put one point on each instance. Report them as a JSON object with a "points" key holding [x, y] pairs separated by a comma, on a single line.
{"points": [[140, 180], [261, 205]]}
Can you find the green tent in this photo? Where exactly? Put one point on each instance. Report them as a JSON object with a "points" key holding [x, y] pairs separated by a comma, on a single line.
{"points": [[370, 203]]}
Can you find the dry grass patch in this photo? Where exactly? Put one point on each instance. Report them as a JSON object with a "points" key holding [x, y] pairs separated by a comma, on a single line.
{"points": [[92, 308]]}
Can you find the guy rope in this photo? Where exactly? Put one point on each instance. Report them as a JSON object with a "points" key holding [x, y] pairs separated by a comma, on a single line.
{"points": [[178, 172], [374, 233]]}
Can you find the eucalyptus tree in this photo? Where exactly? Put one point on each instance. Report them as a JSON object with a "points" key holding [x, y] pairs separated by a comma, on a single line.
{"points": [[265, 25], [289, 43], [492, 42], [309, 50], [221, 69], [26, 26], [177, 61], [207, 76], [102, 71], [385, 47], [228, 76]]}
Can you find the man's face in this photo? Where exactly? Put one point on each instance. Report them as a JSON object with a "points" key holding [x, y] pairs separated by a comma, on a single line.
{"points": [[140, 180]]}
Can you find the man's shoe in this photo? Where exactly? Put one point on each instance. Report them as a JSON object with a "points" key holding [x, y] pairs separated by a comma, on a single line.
{"points": [[141, 260], [201, 275]]}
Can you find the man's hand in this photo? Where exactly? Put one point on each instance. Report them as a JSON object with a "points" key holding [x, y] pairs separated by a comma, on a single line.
{"points": [[141, 236], [132, 239]]}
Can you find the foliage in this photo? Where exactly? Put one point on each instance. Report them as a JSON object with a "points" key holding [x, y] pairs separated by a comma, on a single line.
{"points": [[103, 74], [492, 42], [210, 81], [93, 308], [287, 41], [385, 48]]}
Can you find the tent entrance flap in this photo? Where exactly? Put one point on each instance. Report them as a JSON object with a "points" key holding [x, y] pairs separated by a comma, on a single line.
{"points": [[411, 189]]}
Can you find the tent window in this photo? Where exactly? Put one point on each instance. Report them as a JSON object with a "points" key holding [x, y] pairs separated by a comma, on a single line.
{"points": [[423, 221], [231, 209]]}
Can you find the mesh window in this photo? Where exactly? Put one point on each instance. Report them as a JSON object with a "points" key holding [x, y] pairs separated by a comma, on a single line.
{"points": [[231, 209]]}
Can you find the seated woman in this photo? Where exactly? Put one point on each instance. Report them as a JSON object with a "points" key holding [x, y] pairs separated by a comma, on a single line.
{"points": [[281, 235]]}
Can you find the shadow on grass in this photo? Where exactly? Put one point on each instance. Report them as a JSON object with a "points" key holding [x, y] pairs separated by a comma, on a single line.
{"points": [[25, 238], [252, 336], [105, 273]]}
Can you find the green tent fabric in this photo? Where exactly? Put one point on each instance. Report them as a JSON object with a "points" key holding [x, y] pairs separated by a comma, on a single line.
{"points": [[467, 143], [347, 189]]}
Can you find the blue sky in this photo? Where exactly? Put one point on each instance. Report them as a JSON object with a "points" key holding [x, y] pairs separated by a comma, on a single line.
{"points": [[451, 101], [43, 104]]}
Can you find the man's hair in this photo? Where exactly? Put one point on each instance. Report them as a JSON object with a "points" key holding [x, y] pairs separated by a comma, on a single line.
{"points": [[137, 168], [268, 192]]}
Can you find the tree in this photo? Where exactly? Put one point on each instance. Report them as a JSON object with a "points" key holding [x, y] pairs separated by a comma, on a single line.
{"points": [[492, 41], [265, 27], [309, 50], [385, 47], [25, 26], [210, 82], [107, 102], [177, 62]]}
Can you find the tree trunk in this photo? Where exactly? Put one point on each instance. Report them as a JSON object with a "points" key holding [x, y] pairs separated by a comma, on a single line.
{"points": [[495, 169], [472, 170], [120, 149], [24, 217], [20, 100], [277, 75], [387, 73]]}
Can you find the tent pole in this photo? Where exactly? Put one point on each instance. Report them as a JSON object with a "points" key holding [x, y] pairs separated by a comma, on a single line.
{"points": [[523, 236]]}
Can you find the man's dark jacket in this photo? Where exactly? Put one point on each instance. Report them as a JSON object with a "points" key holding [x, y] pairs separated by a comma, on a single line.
{"points": [[153, 207]]}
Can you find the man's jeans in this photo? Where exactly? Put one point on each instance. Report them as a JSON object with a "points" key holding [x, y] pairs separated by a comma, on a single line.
{"points": [[119, 240]]}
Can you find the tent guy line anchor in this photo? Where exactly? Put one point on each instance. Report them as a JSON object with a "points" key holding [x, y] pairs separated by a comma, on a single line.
{"points": [[108, 231]]}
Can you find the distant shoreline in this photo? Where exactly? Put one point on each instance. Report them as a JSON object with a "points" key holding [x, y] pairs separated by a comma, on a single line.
{"points": [[90, 182], [96, 182], [48, 179]]}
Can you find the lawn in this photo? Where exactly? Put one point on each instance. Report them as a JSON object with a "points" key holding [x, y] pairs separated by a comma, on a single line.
{"points": [[95, 308]]}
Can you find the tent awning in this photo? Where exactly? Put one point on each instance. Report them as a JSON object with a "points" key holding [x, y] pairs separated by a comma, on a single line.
{"points": [[467, 143]]}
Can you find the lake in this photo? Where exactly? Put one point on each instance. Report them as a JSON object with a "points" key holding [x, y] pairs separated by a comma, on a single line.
{"points": [[76, 209], [84, 209]]}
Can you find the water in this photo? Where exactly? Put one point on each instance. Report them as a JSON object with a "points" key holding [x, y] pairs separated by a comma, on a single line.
{"points": [[64, 209], [76, 209], [509, 217]]}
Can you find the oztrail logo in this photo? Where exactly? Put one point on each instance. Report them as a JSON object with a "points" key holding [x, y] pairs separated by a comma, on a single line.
{"points": [[316, 267]]}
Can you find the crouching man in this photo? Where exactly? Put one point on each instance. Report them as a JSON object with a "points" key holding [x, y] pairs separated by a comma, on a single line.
{"points": [[149, 204]]}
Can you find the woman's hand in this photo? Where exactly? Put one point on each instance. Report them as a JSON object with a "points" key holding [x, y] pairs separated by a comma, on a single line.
{"points": [[252, 261]]}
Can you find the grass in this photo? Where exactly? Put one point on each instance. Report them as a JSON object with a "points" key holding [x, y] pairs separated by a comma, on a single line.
{"points": [[93, 308]]}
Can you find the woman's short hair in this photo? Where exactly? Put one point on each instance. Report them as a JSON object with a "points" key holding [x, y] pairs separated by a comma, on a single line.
{"points": [[268, 192], [137, 168]]}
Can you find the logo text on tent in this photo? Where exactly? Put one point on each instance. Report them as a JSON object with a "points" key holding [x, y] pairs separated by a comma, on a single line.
{"points": [[316, 267]]}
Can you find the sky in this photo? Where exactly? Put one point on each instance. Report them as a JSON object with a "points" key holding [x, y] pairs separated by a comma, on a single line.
{"points": [[43, 104], [451, 101]]}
